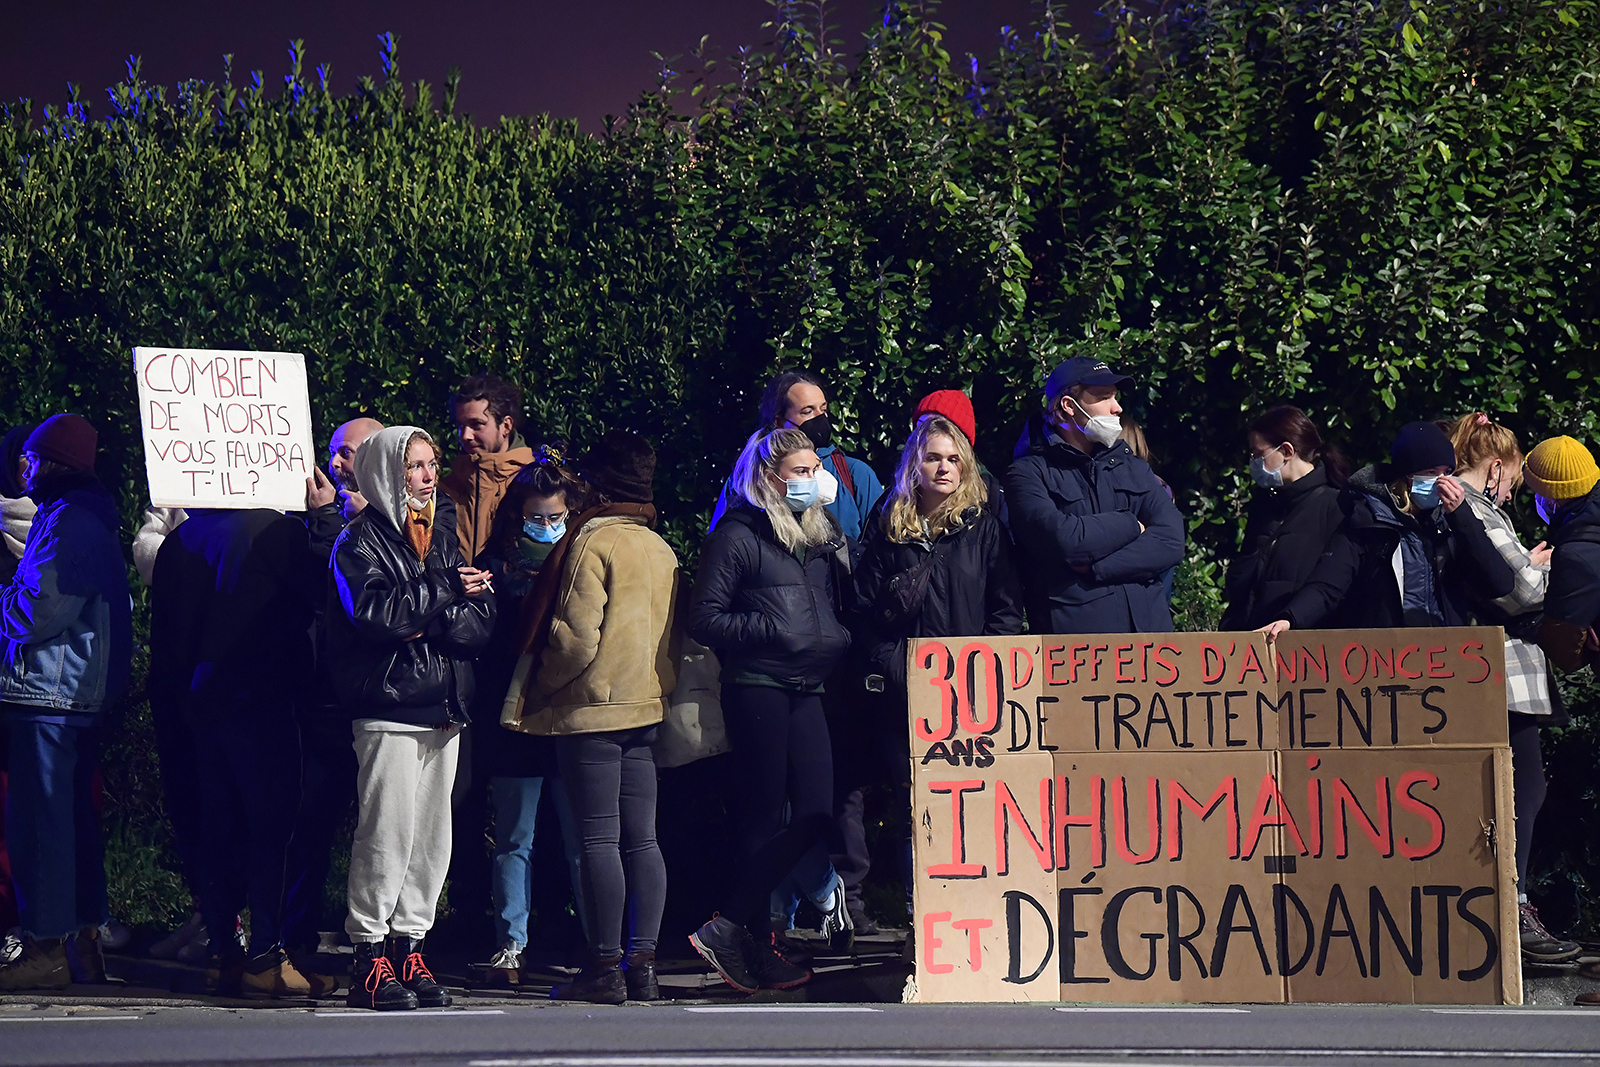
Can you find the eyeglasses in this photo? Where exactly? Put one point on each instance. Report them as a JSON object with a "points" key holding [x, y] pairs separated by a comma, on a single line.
{"points": [[547, 520]]}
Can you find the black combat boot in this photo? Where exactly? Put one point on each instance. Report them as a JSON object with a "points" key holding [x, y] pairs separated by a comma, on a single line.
{"points": [[640, 976], [373, 983], [405, 955], [600, 983]]}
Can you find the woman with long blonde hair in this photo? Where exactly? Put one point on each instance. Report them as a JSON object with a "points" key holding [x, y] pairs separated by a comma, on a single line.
{"points": [[765, 598]]}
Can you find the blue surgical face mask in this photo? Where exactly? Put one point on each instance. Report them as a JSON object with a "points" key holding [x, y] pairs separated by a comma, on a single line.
{"points": [[1425, 490], [1267, 479], [800, 493], [547, 535]]}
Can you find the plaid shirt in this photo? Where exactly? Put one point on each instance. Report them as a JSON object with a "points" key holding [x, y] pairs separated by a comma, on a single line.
{"points": [[1527, 674]]}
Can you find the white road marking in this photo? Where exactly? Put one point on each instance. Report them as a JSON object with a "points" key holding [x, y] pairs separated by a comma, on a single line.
{"points": [[358, 1014], [1123, 1057], [67, 1018], [1577, 1013], [1168, 1008], [780, 1009]]}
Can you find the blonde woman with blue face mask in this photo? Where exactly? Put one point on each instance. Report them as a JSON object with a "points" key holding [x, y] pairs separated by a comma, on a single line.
{"points": [[765, 599]]}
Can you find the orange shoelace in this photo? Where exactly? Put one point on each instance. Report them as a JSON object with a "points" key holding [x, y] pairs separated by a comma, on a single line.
{"points": [[415, 966], [382, 971]]}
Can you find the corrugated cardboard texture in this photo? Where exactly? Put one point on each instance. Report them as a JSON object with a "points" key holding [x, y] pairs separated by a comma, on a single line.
{"points": [[1210, 818]]}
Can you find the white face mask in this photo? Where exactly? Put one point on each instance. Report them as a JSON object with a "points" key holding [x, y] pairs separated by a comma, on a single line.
{"points": [[827, 487], [1102, 429]]}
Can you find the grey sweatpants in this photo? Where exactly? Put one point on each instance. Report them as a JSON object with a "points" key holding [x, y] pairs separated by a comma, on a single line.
{"points": [[401, 850]]}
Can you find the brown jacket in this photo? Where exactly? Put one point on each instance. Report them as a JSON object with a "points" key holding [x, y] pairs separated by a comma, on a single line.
{"points": [[477, 484], [609, 664]]}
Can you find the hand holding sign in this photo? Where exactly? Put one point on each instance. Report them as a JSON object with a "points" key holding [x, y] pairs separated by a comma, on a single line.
{"points": [[225, 429]]}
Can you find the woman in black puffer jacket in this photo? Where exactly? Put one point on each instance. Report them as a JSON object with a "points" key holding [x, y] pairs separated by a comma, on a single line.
{"points": [[1292, 520], [937, 507], [765, 600]]}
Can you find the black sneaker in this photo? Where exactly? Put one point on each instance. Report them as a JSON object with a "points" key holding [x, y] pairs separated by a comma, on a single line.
{"points": [[726, 945], [772, 971], [405, 956], [1538, 944], [837, 925]]}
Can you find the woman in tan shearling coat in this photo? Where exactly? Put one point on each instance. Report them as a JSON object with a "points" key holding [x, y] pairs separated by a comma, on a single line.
{"points": [[600, 689]]}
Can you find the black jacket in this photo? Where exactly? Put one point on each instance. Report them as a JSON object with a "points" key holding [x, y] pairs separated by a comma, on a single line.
{"points": [[380, 599], [761, 608], [499, 751], [1075, 520], [1572, 599], [1354, 583], [1287, 532], [232, 598], [972, 590]]}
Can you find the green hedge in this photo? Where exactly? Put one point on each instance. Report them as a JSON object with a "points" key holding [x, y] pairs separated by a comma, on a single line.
{"points": [[1380, 210]]}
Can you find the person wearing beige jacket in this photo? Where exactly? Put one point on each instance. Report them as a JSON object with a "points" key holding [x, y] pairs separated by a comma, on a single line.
{"points": [[599, 686]]}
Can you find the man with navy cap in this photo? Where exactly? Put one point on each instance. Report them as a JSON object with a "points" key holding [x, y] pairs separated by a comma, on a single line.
{"points": [[1095, 527]]}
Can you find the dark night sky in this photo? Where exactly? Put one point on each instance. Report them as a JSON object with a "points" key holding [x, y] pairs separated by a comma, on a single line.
{"points": [[574, 58]]}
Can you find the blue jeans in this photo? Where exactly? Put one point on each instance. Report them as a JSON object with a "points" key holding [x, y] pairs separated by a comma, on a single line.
{"points": [[516, 812], [58, 860]]}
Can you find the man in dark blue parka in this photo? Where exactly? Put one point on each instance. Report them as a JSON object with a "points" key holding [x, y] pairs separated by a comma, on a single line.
{"points": [[1095, 527]]}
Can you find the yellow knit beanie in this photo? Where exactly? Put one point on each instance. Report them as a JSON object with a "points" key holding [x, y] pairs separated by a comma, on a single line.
{"points": [[1560, 469]]}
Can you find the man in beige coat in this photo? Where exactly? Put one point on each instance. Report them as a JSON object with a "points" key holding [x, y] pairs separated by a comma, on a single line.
{"points": [[599, 684]]}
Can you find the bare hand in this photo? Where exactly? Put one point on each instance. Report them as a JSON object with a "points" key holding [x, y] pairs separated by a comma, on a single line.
{"points": [[1451, 494], [1273, 629], [353, 503], [1539, 555], [476, 582], [320, 492]]}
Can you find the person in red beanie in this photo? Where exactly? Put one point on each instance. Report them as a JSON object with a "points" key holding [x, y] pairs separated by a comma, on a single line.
{"points": [[956, 406], [66, 622]]}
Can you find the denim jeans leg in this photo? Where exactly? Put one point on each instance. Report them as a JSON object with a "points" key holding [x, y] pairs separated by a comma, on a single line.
{"points": [[40, 826], [93, 908], [516, 811]]}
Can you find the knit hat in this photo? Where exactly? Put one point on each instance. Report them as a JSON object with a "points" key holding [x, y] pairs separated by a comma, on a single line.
{"points": [[622, 467], [1560, 469], [65, 439], [954, 405], [1419, 446]]}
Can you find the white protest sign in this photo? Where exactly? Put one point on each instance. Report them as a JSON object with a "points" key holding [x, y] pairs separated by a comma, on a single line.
{"points": [[225, 429]]}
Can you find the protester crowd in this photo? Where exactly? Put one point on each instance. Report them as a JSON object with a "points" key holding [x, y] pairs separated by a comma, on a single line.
{"points": [[443, 652]]}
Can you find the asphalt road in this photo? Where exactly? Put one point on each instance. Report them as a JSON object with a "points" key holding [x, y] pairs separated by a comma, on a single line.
{"points": [[799, 1035]]}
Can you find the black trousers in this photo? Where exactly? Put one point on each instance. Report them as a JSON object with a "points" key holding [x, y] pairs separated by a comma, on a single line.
{"points": [[1528, 785], [327, 796]]}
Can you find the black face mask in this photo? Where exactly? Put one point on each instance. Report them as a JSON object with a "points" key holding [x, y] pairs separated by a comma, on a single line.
{"points": [[819, 429]]}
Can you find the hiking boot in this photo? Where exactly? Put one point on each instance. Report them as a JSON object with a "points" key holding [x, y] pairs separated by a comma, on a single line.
{"points": [[837, 925], [168, 947], [600, 983], [1538, 944], [792, 948], [726, 945], [84, 959], [640, 977], [272, 976], [405, 955], [772, 971], [42, 964], [373, 984], [505, 967]]}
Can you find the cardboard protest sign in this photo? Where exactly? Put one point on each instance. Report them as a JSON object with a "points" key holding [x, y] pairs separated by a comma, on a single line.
{"points": [[1206, 817], [225, 429]]}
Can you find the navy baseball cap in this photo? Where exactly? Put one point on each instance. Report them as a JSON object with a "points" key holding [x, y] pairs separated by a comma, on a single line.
{"points": [[1083, 370]]}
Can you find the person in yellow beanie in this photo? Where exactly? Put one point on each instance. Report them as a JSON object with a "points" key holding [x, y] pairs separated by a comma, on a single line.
{"points": [[1563, 475]]}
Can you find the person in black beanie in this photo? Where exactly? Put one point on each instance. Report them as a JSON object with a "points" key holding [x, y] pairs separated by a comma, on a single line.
{"points": [[1407, 553], [594, 671]]}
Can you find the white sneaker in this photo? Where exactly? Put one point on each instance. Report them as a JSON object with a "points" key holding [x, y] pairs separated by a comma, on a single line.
{"points": [[114, 935], [11, 945], [169, 947], [508, 958]]}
